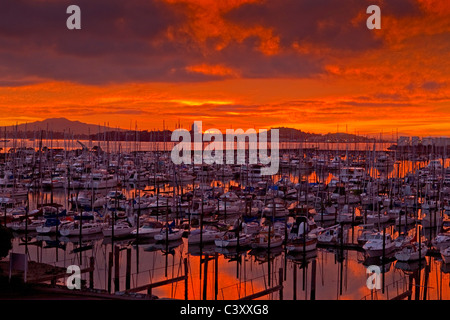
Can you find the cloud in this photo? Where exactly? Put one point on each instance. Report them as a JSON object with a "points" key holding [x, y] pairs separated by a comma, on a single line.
{"points": [[214, 70], [432, 85], [337, 25], [181, 40], [120, 41]]}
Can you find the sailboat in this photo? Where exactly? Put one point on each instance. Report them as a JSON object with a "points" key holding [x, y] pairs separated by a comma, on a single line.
{"points": [[301, 238], [205, 235], [331, 235], [230, 239], [169, 233]]}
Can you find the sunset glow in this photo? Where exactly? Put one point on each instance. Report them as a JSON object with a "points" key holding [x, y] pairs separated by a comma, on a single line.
{"points": [[239, 63]]}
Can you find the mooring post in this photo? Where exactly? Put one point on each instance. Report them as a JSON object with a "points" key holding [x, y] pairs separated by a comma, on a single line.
{"points": [[417, 284], [205, 279], [116, 269], [383, 259], [128, 272], [425, 284], [313, 280], [295, 282], [186, 273], [110, 265], [280, 282], [91, 272], [216, 275], [149, 292]]}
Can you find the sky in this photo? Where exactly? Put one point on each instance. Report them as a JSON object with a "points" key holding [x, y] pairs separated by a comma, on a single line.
{"points": [[306, 64]]}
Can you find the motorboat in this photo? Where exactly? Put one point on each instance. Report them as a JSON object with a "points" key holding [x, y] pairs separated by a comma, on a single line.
{"points": [[101, 180], [376, 218], [431, 220], [374, 245], [199, 207], [331, 235], [303, 235], [441, 241], [31, 225], [364, 234], [301, 244], [86, 199], [169, 233], [51, 226], [87, 228], [120, 229], [412, 252], [148, 230], [445, 255], [204, 235], [251, 227], [345, 216], [327, 214], [403, 240], [264, 240], [232, 239], [276, 209]]}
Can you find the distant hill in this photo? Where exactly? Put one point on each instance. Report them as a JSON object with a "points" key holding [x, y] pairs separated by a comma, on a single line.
{"points": [[60, 125], [290, 134], [60, 128]]}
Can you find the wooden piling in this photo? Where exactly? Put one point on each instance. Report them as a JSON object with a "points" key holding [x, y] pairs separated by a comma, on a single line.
{"points": [[116, 269], [91, 272], [383, 259], [110, 266], [417, 284], [128, 271], [425, 283], [216, 275], [280, 282], [205, 279], [295, 282], [313, 280], [186, 272]]}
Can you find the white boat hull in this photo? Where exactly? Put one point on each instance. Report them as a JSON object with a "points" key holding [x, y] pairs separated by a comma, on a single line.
{"points": [[175, 235], [378, 252], [228, 243], [408, 255]]}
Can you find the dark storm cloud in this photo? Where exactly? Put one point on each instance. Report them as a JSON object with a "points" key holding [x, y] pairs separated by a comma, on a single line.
{"points": [[253, 63], [119, 41], [322, 22], [143, 40]]}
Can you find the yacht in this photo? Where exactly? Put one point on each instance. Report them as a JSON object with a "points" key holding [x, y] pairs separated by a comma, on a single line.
{"points": [[148, 230], [262, 240], [412, 252], [332, 235], [231, 239], [303, 236], [120, 229], [374, 245], [51, 225], [445, 255], [101, 181], [205, 235], [87, 228], [169, 233], [276, 209]]}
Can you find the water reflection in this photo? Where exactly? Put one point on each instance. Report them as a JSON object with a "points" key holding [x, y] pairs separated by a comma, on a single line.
{"points": [[339, 274], [231, 273]]}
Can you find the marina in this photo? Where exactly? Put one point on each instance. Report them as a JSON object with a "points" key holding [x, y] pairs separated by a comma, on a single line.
{"points": [[224, 158], [143, 228]]}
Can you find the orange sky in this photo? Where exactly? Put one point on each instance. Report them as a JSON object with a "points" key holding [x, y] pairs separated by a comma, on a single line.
{"points": [[236, 63]]}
